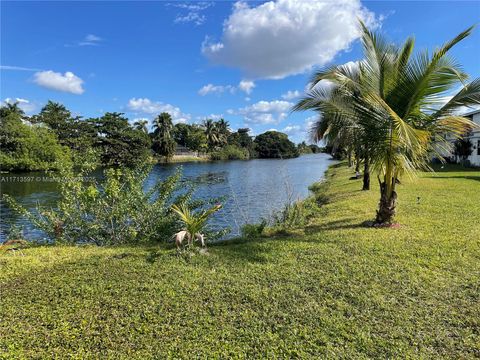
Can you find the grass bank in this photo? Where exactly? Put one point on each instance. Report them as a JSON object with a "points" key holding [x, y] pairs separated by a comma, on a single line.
{"points": [[332, 289], [184, 158]]}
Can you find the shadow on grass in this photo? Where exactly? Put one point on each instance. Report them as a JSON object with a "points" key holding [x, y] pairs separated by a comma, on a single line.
{"points": [[476, 178], [334, 225]]}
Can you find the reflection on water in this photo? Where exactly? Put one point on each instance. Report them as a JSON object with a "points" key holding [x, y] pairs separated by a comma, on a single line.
{"points": [[253, 189]]}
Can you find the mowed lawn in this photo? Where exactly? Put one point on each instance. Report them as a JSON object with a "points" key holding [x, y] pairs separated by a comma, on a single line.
{"points": [[334, 289]]}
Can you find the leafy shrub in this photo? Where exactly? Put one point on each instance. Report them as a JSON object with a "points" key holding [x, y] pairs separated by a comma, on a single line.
{"points": [[25, 147], [249, 231], [230, 152], [115, 211]]}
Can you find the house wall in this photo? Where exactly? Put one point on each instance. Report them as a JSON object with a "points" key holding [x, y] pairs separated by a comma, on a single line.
{"points": [[475, 139]]}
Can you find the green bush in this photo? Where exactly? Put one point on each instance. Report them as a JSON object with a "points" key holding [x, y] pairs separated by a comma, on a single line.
{"points": [[252, 231], [26, 148], [230, 152], [115, 211]]}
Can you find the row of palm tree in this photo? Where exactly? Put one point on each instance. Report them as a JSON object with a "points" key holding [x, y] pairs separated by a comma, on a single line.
{"points": [[216, 133], [390, 109]]}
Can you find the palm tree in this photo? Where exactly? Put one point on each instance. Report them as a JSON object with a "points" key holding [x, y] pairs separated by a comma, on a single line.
{"points": [[338, 129], [163, 142], [141, 125], [223, 128], [397, 102], [11, 108], [212, 132]]}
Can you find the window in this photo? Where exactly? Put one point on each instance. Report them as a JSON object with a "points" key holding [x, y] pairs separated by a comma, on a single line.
{"points": [[478, 147]]}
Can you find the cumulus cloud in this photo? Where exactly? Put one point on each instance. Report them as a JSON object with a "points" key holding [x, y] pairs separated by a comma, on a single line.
{"points": [[68, 82], [147, 106], [264, 112], [246, 86], [285, 37], [290, 95], [24, 104]]}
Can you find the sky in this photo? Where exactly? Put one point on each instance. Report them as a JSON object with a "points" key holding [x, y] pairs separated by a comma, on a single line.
{"points": [[247, 62]]}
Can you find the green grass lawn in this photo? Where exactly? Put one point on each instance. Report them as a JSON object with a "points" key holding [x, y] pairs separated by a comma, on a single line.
{"points": [[334, 289]]}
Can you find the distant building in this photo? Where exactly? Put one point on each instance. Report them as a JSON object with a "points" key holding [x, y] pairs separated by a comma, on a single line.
{"points": [[473, 136]]}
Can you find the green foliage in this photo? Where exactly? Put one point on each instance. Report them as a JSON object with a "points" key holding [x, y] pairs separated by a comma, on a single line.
{"points": [[303, 148], [273, 144], [191, 136], [386, 108], [241, 138], [25, 147], [230, 152], [79, 135], [335, 290], [253, 231], [163, 141], [120, 144], [463, 148], [115, 211]]}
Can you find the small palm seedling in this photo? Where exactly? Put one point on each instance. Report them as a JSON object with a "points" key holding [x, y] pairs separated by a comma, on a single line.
{"points": [[194, 222]]}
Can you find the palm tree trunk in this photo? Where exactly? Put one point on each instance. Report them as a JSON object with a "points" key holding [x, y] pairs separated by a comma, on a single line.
{"points": [[366, 174], [349, 158], [388, 199]]}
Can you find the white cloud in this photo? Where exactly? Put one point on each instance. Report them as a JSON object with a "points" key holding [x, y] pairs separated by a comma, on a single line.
{"points": [[68, 82], [285, 37], [290, 95], [211, 116], [90, 40], [264, 112], [192, 12], [291, 129], [147, 106], [23, 104], [215, 89], [246, 86]]}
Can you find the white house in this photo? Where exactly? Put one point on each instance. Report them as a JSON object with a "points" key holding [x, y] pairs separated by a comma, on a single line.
{"points": [[473, 136]]}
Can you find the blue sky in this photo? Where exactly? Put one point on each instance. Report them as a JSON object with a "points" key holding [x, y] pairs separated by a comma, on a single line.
{"points": [[245, 61]]}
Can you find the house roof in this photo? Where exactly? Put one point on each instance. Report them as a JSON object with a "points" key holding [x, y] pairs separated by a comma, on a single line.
{"points": [[473, 112]]}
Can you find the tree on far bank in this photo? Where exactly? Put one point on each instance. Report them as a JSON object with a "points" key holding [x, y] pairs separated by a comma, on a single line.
{"points": [[120, 143], [163, 142], [26, 147], [274, 144]]}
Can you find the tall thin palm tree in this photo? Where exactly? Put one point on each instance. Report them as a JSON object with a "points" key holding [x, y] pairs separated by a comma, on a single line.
{"points": [[163, 142], [141, 125], [398, 103], [212, 133]]}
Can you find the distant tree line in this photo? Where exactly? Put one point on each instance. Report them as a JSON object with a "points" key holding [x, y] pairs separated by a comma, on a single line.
{"points": [[54, 135]]}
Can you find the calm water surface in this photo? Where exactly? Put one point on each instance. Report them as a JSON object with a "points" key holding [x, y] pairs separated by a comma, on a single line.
{"points": [[254, 189]]}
